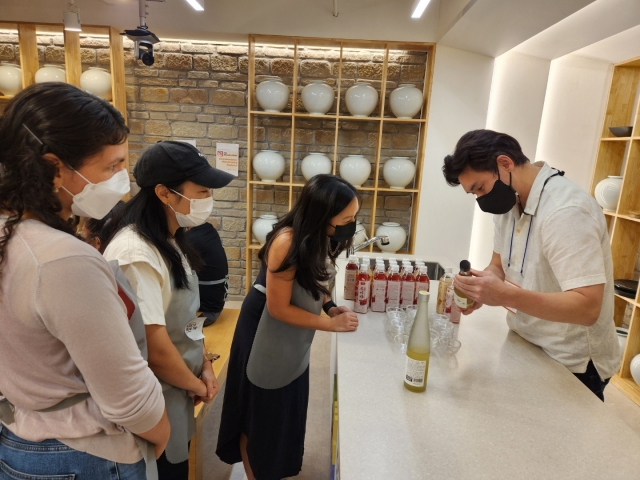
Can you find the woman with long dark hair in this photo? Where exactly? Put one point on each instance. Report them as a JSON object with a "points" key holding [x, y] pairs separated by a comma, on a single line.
{"points": [[175, 182], [264, 412], [75, 386]]}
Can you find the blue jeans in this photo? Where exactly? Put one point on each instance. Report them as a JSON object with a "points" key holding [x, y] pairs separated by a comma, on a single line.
{"points": [[51, 460]]}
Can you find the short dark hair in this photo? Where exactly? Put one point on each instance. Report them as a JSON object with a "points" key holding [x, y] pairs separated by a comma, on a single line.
{"points": [[479, 150]]}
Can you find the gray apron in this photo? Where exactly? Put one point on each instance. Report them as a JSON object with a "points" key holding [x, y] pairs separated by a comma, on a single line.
{"points": [[280, 352], [135, 322], [137, 327], [182, 311]]}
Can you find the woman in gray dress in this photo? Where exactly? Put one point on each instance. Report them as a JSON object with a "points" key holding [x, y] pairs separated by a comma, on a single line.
{"points": [[265, 404]]}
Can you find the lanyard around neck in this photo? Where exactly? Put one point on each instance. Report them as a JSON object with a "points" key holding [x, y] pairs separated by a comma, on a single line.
{"points": [[526, 245]]}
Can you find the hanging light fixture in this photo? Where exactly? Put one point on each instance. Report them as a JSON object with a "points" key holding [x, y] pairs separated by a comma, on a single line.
{"points": [[196, 4], [71, 17]]}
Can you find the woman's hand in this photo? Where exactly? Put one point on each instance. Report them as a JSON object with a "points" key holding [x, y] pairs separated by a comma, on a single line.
{"points": [[199, 393], [334, 311], [345, 322], [209, 379], [476, 305]]}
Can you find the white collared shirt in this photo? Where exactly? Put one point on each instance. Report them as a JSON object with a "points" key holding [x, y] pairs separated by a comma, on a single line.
{"points": [[561, 243]]}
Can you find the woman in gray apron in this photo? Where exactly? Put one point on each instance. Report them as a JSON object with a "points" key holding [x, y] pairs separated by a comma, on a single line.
{"points": [[267, 390], [175, 182], [77, 397]]}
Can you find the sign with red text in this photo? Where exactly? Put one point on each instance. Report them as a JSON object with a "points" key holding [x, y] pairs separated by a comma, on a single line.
{"points": [[227, 157]]}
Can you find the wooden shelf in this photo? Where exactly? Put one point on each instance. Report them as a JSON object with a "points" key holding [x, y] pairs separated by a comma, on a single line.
{"points": [[628, 387], [337, 128], [260, 182], [621, 156], [404, 120], [6, 97], [627, 217], [627, 299], [398, 190], [308, 115], [262, 113]]}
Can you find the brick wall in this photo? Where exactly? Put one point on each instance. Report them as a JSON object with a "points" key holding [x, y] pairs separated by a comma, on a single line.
{"points": [[199, 90]]}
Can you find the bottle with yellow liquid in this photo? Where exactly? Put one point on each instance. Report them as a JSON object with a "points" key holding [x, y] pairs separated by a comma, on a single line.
{"points": [[418, 348], [462, 301]]}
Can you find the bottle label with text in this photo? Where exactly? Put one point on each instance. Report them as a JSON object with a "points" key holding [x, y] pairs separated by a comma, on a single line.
{"points": [[414, 372]]}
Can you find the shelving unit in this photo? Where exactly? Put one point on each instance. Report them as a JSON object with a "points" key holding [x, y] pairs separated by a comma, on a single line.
{"points": [[377, 54], [621, 156], [29, 62]]}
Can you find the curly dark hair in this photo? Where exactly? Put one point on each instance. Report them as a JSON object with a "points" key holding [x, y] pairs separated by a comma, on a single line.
{"points": [[479, 150], [321, 199], [57, 118]]}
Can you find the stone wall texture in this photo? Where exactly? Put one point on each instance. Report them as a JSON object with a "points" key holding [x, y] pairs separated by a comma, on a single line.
{"points": [[198, 90]]}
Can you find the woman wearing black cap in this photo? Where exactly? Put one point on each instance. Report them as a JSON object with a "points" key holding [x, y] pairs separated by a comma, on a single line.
{"points": [[175, 182], [264, 412]]}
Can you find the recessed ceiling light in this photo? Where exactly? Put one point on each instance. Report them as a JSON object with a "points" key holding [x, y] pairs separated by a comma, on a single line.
{"points": [[420, 8], [196, 4]]}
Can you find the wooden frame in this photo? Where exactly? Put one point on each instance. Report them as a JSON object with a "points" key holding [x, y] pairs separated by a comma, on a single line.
{"points": [[29, 63], [339, 45], [621, 156]]}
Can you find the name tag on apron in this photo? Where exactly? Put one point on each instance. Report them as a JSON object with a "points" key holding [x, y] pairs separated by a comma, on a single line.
{"points": [[193, 329]]}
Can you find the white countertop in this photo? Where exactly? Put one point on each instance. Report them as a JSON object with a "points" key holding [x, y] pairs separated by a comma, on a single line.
{"points": [[499, 409]]}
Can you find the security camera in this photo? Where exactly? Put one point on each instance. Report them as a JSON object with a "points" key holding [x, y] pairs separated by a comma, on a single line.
{"points": [[145, 56], [144, 40]]}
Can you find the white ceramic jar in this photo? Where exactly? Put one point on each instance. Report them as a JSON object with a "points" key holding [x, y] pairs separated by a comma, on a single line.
{"points": [[317, 97], [10, 79], [97, 81], [262, 226], [361, 99], [269, 165], [398, 172], [635, 369], [360, 236], [405, 101], [315, 164], [51, 73], [355, 169], [607, 193], [397, 236], [272, 94]]}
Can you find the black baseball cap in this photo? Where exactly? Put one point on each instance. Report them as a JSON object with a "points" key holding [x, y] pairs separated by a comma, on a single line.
{"points": [[170, 162]]}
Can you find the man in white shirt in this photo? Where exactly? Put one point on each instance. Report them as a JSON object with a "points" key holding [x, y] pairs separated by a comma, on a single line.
{"points": [[551, 266]]}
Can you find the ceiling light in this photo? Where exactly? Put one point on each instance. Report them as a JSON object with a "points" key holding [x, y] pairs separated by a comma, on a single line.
{"points": [[196, 4], [420, 8], [71, 18]]}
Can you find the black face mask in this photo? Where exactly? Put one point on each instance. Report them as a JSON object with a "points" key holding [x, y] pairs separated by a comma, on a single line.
{"points": [[343, 233], [499, 200]]}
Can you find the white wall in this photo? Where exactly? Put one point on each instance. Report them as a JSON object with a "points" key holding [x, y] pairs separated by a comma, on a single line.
{"points": [[572, 115], [459, 101], [517, 99]]}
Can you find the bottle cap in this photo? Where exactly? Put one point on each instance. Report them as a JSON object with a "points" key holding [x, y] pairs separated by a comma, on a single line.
{"points": [[465, 265], [423, 296], [418, 260], [424, 270], [379, 259], [380, 267], [405, 260], [353, 258], [448, 269], [395, 268], [392, 259], [408, 269], [364, 267]]}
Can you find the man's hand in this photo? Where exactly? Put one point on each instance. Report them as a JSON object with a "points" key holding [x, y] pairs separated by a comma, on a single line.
{"points": [[484, 287]]}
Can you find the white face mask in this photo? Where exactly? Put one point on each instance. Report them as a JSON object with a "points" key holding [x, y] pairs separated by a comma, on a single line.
{"points": [[199, 211], [97, 199]]}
